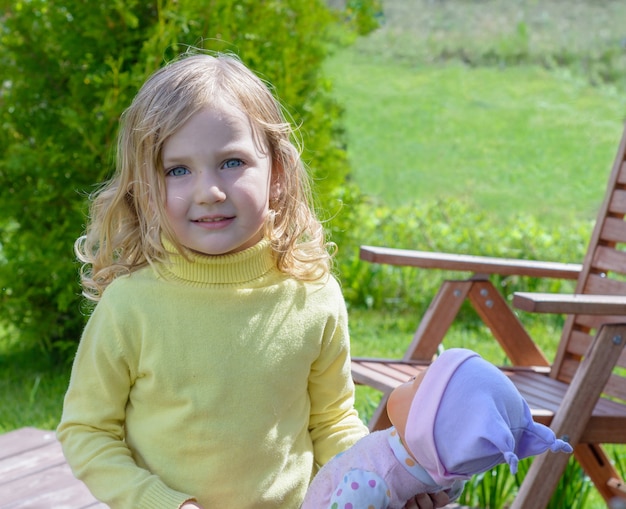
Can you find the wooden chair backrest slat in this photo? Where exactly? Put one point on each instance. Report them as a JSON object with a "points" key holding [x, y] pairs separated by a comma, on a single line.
{"points": [[608, 259], [603, 272], [616, 388], [613, 230], [592, 322], [604, 286], [621, 177], [618, 202]]}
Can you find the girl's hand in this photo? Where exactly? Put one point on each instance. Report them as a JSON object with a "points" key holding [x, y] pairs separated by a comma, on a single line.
{"points": [[191, 505], [428, 501]]}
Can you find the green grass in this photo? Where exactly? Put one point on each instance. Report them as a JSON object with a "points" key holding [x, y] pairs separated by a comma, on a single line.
{"points": [[31, 388], [504, 138]]}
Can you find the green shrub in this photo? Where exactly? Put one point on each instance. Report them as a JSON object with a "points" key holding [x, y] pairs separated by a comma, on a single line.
{"points": [[492, 489], [448, 226], [496, 488], [69, 70], [582, 36], [364, 15]]}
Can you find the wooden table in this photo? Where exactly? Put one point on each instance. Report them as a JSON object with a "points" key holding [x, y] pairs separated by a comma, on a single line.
{"points": [[34, 474]]}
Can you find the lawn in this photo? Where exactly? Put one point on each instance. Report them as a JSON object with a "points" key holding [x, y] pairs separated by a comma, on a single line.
{"points": [[511, 139], [31, 387]]}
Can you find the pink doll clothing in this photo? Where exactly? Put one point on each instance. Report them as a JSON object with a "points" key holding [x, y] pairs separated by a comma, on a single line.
{"points": [[386, 477]]}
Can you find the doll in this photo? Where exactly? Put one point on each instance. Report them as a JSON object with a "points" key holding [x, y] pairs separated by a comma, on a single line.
{"points": [[460, 417]]}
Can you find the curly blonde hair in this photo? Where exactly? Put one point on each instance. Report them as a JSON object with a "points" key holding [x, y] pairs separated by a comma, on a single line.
{"points": [[127, 214]]}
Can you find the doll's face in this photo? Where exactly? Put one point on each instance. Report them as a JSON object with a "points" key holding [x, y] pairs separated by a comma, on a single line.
{"points": [[400, 401]]}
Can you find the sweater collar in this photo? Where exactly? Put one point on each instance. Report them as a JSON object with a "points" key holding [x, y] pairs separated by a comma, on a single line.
{"points": [[236, 268]]}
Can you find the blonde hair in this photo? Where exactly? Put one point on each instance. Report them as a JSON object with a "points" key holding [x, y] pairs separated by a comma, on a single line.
{"points": [[127, 214]]}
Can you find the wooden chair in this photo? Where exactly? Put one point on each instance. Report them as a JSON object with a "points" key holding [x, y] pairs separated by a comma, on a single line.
{"points": [[582, 392]]}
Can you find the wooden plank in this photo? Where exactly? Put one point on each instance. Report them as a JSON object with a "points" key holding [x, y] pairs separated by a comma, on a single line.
{"points": [[24, 439], [621, 177], [597, 283], [616, 388], [470, 263], [364, 374], [595, 321], [35, 475], [570, 303], [613, 230], [51, 488], [609, 260], [381, 374], [618, 202], [38, 460]]}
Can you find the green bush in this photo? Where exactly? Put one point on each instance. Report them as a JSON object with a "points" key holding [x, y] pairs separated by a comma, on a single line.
{"points": [[69, 70], [496, 488], [582, 36], [447, 226]]}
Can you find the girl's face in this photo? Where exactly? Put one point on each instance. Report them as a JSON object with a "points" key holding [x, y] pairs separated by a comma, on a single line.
{"points": [[218, 182]]}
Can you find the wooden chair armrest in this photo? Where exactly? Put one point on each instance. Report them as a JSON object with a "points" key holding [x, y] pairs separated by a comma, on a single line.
{"points": [[470, 263], [570, 303]]}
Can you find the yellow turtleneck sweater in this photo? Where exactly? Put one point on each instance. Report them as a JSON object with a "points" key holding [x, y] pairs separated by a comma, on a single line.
{"points": [[219, 378]]}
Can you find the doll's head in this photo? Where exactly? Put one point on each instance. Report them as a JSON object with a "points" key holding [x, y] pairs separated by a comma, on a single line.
{"points": [[463, 416]]}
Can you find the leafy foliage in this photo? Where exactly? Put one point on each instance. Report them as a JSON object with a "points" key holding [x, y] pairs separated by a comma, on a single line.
{"points": [[582, 36], [496, 488], [448, 226], [69, 70], [491, 489]]}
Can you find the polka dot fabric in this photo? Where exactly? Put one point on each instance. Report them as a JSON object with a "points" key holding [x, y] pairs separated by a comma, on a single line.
{"points": [[373, 473], [360, 489]]}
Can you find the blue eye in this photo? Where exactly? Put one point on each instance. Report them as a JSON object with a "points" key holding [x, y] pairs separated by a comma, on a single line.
{"points": [[232, 163], [177, 172]]}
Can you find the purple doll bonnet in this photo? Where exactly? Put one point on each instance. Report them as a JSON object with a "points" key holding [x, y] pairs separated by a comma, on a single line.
{"points": [[467, 417]]}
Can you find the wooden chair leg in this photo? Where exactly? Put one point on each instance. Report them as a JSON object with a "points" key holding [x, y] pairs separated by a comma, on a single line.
{"points": [[594, 461], [572, 416], [380, 419], [505, 325], [437, 320]]}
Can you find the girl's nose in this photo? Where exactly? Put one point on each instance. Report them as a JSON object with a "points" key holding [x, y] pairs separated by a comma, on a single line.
{"points": [[208, 189]]}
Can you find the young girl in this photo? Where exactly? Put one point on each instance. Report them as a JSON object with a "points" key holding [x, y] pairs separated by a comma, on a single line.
{"points": [[214, 370]]}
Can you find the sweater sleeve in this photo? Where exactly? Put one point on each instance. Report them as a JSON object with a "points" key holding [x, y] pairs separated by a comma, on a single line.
{"points": [[334, 423], [92, 425]]}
